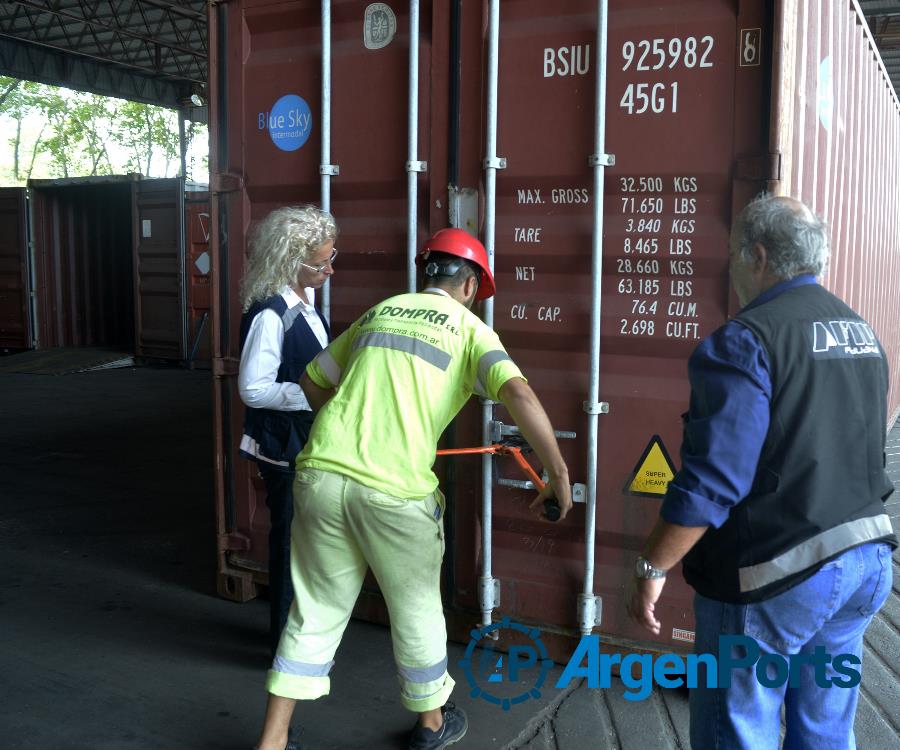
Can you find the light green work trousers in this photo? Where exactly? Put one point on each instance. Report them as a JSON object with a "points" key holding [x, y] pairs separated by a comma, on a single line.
{"points": [[340, 529]]}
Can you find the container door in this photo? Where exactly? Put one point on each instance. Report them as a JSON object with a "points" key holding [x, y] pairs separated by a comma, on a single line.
{"points": [[266, 134], [160, 309], [15, 297], [197, 273], [676, 128]]}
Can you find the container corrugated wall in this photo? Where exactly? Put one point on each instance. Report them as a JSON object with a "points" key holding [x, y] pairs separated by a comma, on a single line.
{"points": [[197, 267], [83, 263], [15, 329], [838, 132], [689, 87], [159, 269]]}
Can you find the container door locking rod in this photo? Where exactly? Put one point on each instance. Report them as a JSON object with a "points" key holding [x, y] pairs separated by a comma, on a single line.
{"points": [[511, 447]]}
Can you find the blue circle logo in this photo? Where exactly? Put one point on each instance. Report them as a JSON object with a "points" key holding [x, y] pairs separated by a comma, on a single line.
{"points": [[290, 122], [506, 679]]}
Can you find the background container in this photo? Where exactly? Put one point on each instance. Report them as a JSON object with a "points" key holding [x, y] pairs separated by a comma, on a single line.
{"points": [[197, 265], [101, 262], [705, 108], [83, 262], [15, 328]]}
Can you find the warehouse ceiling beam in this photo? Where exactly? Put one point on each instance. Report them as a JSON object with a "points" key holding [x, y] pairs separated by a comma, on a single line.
{"points": [[158, 47]]}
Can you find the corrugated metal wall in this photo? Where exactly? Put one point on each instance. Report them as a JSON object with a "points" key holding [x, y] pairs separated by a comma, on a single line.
{"points": [[837, 128], [197, 276], [15, 329], [83, 264]]}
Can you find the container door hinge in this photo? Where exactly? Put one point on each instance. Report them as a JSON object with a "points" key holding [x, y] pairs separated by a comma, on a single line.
{"points": [[463, 209], [599, 407], [590, 612], [760, 168], [225, 366], [488, 592], [602, 160], [225, 182], [233, 542]]}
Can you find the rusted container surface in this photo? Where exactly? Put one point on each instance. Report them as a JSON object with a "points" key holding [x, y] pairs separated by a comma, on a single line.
{"points": [[83, 262], [689, 91], [672, 127], [837, 128], [159, 269], [15, 328], [257, 168], [197, 274]]}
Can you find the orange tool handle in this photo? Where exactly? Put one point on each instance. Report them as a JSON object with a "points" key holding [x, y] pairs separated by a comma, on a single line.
{"points": [[466, 451], [525, 466], [505, 450]]}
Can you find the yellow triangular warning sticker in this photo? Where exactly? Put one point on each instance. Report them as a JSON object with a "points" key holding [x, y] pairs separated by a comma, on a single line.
{"points": [[653, 471]]}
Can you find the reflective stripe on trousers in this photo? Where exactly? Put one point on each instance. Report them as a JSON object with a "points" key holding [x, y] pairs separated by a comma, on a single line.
{"points": [[340, 529]]}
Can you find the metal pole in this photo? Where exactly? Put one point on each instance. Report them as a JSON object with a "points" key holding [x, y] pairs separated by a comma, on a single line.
{"points": [[327, 170], [182, 142], [413, 165], [588, 604], [489, 589]]}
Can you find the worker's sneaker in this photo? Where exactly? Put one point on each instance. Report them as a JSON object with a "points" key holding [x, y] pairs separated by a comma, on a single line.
{"points": [[452, 730]]}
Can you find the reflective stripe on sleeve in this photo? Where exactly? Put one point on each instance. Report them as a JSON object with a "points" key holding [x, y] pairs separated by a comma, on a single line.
{"points": [[431, 354], [813, 550], [326, 362], [485, 363]]}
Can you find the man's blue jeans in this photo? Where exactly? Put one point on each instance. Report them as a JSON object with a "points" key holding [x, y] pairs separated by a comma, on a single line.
{"points": [[832, 609]]}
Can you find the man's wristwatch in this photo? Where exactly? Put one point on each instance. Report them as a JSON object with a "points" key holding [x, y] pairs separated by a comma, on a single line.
{"points": [[644, 569]]}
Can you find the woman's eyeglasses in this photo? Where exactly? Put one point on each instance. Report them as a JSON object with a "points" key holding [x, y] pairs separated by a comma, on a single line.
{"points": [[320, 269]]}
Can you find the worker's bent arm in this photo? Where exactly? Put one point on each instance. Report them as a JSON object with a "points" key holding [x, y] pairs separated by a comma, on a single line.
{"points": [[315, 394], [535, 427]]}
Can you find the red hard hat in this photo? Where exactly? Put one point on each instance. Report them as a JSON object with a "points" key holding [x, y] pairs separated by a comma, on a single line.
{"points": [[460, 243]]}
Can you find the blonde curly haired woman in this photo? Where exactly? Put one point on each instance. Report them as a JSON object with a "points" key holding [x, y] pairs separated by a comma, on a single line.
{"points": [[292, 254]]}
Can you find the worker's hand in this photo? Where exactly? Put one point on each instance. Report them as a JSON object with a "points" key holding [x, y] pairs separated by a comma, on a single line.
{"points": [[641, 596], [558, 488]]}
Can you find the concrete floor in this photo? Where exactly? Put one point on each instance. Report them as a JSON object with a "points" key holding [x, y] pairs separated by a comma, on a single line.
{"points": [[112, 636]]}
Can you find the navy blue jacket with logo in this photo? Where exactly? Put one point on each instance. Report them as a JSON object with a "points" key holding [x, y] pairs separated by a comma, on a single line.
{"points": [[818, 485]]}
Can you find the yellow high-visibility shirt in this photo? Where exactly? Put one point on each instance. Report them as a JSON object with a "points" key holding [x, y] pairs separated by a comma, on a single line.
{"points": [[402, 372]]}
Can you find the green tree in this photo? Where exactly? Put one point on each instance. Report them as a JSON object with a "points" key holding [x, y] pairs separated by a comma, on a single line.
{"points": [[141, 129], [77, 132]]}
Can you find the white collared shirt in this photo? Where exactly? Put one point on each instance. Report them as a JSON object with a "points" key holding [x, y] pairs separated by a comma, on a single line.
{"points": [[261, 357]]}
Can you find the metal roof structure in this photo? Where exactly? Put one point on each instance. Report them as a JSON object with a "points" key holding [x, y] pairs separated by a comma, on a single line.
{"points": [[883, 17], [156, 51], [153, 51]]}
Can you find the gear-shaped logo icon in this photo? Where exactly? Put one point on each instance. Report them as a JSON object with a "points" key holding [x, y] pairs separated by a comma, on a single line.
{"points": [[488, 672]]}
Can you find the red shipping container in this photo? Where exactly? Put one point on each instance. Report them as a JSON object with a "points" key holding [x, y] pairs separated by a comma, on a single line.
{"points": [[707, 104]]}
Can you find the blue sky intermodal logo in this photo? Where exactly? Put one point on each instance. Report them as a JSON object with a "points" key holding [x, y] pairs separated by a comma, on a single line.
{"points": [[526, 667]]}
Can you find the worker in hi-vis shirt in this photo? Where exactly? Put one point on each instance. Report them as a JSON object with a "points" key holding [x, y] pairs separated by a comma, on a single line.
{"points": [[365, 495]]}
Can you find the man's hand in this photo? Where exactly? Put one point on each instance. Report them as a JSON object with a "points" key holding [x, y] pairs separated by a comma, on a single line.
{"points": [[559, 489], [641, 596]]}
